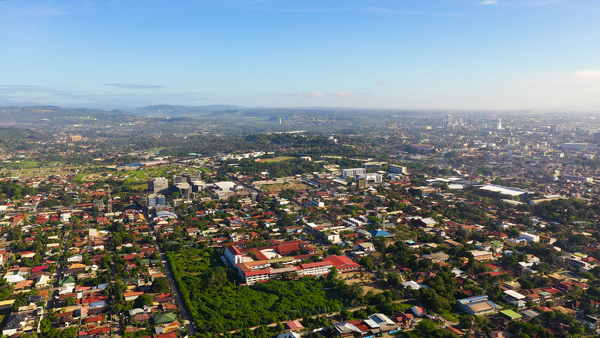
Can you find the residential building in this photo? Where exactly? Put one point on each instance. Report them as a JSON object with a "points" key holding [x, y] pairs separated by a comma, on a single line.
{"points": [[529, 237], [477, 306], [480, 255]]}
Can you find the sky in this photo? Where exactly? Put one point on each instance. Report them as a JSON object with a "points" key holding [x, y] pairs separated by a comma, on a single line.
{"points": [[398, 54]]}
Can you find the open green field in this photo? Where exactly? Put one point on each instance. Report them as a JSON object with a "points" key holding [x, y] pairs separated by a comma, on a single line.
{"points": [[277, 159]]}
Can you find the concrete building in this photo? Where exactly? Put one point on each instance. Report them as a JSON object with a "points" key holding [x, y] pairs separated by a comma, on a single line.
{"points": [[480, 255], [233, 255], [529, 237], [346, 173], [396, 169], [477, 306], [155, 200], [370, 178], [316, 269], [158, 184]]}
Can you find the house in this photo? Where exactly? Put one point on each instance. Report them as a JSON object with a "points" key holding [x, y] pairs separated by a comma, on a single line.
{"points": [[403, 319], [591, 322], [132, 295], [381, 322], [418, 311], [344, 330], [290, 334], [75, 258], [477, 306], [366, 247], [164, 318], [294, 325], [20, 322], [42, 281], [481, 255]]}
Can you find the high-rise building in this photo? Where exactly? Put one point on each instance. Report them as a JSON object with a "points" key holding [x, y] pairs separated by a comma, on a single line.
{"points": [[158, 184], [396, 169], [155, 200], [353, 172]]}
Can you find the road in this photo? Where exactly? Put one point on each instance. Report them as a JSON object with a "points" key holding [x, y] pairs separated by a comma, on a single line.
{"points": [[186, 318], [332, 314]]}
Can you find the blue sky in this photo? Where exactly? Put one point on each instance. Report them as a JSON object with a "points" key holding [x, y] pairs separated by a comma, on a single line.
{"points": [[432, 54]]}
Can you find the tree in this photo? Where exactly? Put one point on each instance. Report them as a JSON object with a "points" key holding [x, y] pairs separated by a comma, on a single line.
{"points": [[70, 301], [394, 279], [161, 285], [143, 300], [333, 273]]}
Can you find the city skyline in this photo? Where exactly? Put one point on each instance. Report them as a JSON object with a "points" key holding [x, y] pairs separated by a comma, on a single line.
{"points": [[456, 54]]}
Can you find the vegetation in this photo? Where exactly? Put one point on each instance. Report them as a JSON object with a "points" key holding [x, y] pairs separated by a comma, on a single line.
{"points": [[217, 305]]}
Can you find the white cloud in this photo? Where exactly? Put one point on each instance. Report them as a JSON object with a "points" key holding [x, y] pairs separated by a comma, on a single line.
{"points": [[347, 93], [134, 85], [489, 2], [578, 77]]}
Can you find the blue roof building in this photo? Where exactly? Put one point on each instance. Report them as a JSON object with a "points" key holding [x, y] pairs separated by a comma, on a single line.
{"points": [[380, 233]]}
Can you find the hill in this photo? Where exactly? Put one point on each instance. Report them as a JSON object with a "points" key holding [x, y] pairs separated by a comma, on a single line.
{"points": [[20, 134], [169, 110]]}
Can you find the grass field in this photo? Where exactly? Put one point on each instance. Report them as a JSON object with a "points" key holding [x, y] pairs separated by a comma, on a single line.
{"points": [[277, 159]]}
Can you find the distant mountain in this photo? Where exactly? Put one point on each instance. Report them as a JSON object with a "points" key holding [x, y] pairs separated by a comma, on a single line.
{"points": [[50, 115], [168, 110]]}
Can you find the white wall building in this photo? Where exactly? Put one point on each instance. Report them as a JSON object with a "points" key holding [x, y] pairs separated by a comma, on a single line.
{"points": [[529, 237], [353, 172]]}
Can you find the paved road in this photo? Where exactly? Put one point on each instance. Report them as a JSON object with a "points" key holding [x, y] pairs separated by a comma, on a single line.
{"points": [[186, 319]]}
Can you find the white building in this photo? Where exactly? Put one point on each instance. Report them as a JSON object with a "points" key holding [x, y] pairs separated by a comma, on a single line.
{"points": [[353, 172], [233, 255], [396, 169], [529, 237], [370, 178], [315, 269], [74, 259]]}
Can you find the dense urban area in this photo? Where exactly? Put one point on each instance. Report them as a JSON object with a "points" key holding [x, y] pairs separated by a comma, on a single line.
{"points": [[172, 222]]}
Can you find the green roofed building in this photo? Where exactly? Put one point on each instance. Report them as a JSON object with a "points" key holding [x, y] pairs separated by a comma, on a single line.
{"points": [[510, 314], [164, 318], [67, 280]]}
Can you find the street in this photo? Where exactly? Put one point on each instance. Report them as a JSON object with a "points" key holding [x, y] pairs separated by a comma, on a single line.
{"points": [[187, 320]]}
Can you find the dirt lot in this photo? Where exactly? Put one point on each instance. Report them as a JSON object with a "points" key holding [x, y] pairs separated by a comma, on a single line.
{"points": [[369, 285], [284, 186]]}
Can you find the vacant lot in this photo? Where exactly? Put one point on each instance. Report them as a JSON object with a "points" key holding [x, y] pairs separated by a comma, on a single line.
{"points": [[369, 285], [277, 159], [283, 186]]}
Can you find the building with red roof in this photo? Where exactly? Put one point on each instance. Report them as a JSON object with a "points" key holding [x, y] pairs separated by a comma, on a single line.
{"points": [[342, 263]]}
